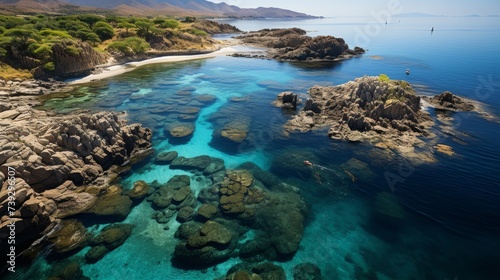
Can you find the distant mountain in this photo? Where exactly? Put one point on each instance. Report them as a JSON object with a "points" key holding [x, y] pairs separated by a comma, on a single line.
{"points": [[36, 6], [186, 7]]}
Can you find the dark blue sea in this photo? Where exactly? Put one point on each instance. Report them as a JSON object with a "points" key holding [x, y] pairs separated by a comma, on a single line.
{"points": [[447, 209]]}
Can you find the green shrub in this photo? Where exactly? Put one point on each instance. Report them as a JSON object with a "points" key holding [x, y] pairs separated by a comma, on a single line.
{"points": [[383, 78], [197, 32], [55, 33], [130, 46], [72, 50], [49, 66], [170, 23], [104, 30]]}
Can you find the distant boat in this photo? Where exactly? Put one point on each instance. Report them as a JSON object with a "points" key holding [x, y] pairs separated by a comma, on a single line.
{"points": [[432, 30], [407, 71]]}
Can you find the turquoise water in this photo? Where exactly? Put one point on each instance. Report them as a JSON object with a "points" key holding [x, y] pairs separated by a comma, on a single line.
{"points": [[450, 210]]}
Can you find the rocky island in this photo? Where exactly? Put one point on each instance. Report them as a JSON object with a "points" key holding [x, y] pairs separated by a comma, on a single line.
{"points": [[294, 45]]}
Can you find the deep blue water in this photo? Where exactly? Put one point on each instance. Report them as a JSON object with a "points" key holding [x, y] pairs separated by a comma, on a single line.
{"points": [[451, 208]]}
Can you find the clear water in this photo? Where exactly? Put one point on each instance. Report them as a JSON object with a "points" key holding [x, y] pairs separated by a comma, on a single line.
{"points": [[451, 224]]}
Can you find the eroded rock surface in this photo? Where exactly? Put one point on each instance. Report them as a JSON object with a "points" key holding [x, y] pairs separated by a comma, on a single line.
{"points": [[53, 158]]}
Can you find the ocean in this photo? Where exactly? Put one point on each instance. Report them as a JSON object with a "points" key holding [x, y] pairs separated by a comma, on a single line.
{"points": [[447, 212]]}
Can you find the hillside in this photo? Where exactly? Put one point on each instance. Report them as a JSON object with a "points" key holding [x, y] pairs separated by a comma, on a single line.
{"points": [[46, 46], [143, 8], [37, 6]]}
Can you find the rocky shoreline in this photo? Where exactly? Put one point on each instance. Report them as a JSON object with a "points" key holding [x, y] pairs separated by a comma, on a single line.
{"points": [[64, 165]]}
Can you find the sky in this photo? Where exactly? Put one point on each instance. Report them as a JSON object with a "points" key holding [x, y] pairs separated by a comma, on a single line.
{"points": [[366, 7]]}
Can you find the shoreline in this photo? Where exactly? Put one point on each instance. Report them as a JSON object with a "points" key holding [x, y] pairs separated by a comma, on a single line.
{"points": [[115, 70]]}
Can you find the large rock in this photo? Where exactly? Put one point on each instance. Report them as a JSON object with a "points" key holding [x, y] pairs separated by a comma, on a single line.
{"points": [[70, 236], [112, 204], [166, 157], [235, 131], [139, 191], [209, 244], [180, 129], [282, 218], [110, 238], [206, 164], [449, 101]]}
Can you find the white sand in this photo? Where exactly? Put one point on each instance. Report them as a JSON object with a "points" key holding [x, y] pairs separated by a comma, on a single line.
{"points": [[120, 69]]}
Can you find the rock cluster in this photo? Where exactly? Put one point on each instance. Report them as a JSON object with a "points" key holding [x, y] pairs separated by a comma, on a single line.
{"points": [[30, 87], [232, 201], [293, 45], [173, 197], [70, 64], [366, 109], [54, 158]]}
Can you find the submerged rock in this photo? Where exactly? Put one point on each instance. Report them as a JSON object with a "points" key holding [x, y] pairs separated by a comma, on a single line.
{"points": [[71, 236], [180, 129], [209, 244], [139, 191], [444, 149], [110, 238], [256, 271], [166, 157], [67, 270], [306, 271]]}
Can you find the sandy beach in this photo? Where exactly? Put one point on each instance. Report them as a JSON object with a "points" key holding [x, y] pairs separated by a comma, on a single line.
{"points": [[120, 69]]}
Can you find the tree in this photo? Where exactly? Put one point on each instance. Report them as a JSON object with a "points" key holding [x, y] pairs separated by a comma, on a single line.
{"points": [[104, 30], [130, 46], [144, 27], [126, 25]]}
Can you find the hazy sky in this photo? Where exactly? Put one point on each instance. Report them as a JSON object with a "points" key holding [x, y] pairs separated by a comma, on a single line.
{"points": [[365, 7]]}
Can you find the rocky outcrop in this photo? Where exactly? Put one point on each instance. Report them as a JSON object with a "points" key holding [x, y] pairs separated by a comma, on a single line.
{"points": [[287, 100], [75, 63], [30, 87], [293, 45], [366, 109], [213, 27], [53, 160], [451, 102]]}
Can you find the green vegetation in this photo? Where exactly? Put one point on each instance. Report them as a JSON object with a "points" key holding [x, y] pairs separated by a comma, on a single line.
{"points": [[383, 78], [197, 32], [26, 42], [130, 46]]}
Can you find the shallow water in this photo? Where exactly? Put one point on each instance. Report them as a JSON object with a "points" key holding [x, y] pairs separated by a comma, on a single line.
{"points": [[449, 223]]}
